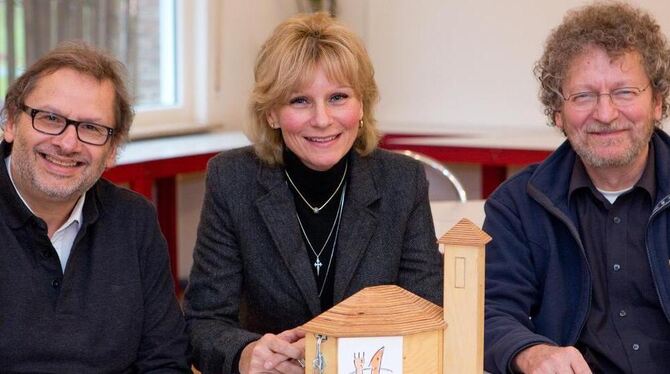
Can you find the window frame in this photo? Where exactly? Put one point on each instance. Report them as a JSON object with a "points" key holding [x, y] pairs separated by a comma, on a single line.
{"points": [[197, 54]]}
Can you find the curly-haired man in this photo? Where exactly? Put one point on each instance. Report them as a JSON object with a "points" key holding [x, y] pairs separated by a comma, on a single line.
{"points": [[578, 272]]}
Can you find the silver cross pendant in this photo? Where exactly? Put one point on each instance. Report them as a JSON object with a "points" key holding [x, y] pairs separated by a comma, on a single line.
{"points": [[317, 265]]}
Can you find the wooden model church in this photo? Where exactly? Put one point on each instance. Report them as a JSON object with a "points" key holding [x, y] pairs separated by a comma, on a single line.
{"points": [[388, 330]]}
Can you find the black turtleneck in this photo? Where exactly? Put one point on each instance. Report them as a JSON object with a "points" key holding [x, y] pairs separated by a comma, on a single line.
{"points": [[317, 187]]}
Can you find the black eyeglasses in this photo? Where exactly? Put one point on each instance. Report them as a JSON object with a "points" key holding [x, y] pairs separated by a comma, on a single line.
{"points": [[55, 124]]}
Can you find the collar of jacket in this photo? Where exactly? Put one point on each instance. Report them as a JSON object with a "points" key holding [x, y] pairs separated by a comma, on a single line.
{"points": [[549, 183]]}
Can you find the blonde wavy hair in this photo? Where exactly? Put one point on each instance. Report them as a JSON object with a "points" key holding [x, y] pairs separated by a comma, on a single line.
{"points": [[287, 61]]}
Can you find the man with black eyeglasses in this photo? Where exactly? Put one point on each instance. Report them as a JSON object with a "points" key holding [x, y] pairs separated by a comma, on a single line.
{"points": [[85, 284], [578, 272]]}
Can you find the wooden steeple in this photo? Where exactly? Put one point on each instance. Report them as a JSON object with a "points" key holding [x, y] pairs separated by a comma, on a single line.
{"points": [[464, 262]]}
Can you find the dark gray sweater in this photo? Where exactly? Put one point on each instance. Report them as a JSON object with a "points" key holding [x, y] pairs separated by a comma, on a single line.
{"points": [[113, 311]]}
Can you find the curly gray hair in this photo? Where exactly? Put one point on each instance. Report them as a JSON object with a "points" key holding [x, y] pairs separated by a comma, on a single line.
{"points": [[617, 28]]}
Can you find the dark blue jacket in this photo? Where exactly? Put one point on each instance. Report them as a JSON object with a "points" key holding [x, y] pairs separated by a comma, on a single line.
{"points": [[538, 281]]}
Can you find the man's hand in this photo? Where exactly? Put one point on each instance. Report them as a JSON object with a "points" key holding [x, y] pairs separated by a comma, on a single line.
{"points": [[549, 359], [274, 354]]}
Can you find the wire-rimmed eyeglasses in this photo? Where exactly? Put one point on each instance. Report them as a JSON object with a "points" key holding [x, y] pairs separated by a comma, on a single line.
{"points": [[620, 97], [55, 124]]}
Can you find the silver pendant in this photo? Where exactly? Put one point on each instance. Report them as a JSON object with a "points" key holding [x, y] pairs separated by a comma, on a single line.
{"points": [[316, 210], [317, 265]]}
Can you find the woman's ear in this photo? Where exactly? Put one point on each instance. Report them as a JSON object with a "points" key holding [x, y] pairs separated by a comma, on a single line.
{"points": [[272, 119]]}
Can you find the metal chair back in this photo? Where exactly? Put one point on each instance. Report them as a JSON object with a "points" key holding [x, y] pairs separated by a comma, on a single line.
{"points": [[442, 183]]}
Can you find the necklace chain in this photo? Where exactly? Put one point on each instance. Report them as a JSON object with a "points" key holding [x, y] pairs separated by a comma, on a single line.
{"points": [[314, 209], [317, 264]]}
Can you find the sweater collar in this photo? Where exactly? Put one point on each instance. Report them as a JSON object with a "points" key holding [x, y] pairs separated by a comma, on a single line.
{"points": [[316, 186], [18, 213]]}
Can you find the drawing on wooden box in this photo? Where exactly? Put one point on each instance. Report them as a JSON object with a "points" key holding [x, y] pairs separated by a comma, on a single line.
{"points": [[370, 355]]}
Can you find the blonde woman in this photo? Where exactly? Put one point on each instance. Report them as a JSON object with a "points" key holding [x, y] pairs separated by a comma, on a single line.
{"points": [[309, 215]]}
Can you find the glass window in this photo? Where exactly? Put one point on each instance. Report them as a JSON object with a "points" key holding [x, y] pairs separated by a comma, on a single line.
{"points": [[142, 34]]}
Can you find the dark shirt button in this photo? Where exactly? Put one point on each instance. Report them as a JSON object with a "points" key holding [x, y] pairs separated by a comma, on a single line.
{"points": [[636, 347], [617, 220], [55, 283], [622, 313], [46, 253], [616, 267]]}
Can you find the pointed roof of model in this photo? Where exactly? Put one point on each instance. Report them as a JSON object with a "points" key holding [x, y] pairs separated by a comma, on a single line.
{"points": [[465, 233], [378, 311]]}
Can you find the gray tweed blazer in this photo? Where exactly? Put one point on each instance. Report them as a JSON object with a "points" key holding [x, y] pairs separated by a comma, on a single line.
{"points": [[251, 272]]}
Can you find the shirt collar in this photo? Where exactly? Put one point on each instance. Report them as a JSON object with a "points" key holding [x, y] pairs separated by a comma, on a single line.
{"points": [[580, 178], [75, 215], [648, 179]]}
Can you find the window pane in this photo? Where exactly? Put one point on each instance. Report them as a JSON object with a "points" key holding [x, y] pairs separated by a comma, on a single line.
{"points": [[12, 38], [155, 60], [142, 34]]}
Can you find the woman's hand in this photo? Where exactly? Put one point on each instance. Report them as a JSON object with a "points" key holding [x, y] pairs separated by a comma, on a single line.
{"points": [[274, 354]]}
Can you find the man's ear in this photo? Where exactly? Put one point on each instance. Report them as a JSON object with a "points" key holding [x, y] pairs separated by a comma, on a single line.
{"points": [[9, 132], [111, 157], [658, 107], [558, 120]]}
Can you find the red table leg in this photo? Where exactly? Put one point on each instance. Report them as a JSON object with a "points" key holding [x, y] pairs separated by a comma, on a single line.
{"points": [[166, 206], [143, 186], [492, 177]]}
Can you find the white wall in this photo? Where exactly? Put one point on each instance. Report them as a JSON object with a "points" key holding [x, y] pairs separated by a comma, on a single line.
{"points": [[440, 64], [245, 25], [448, 64]]}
